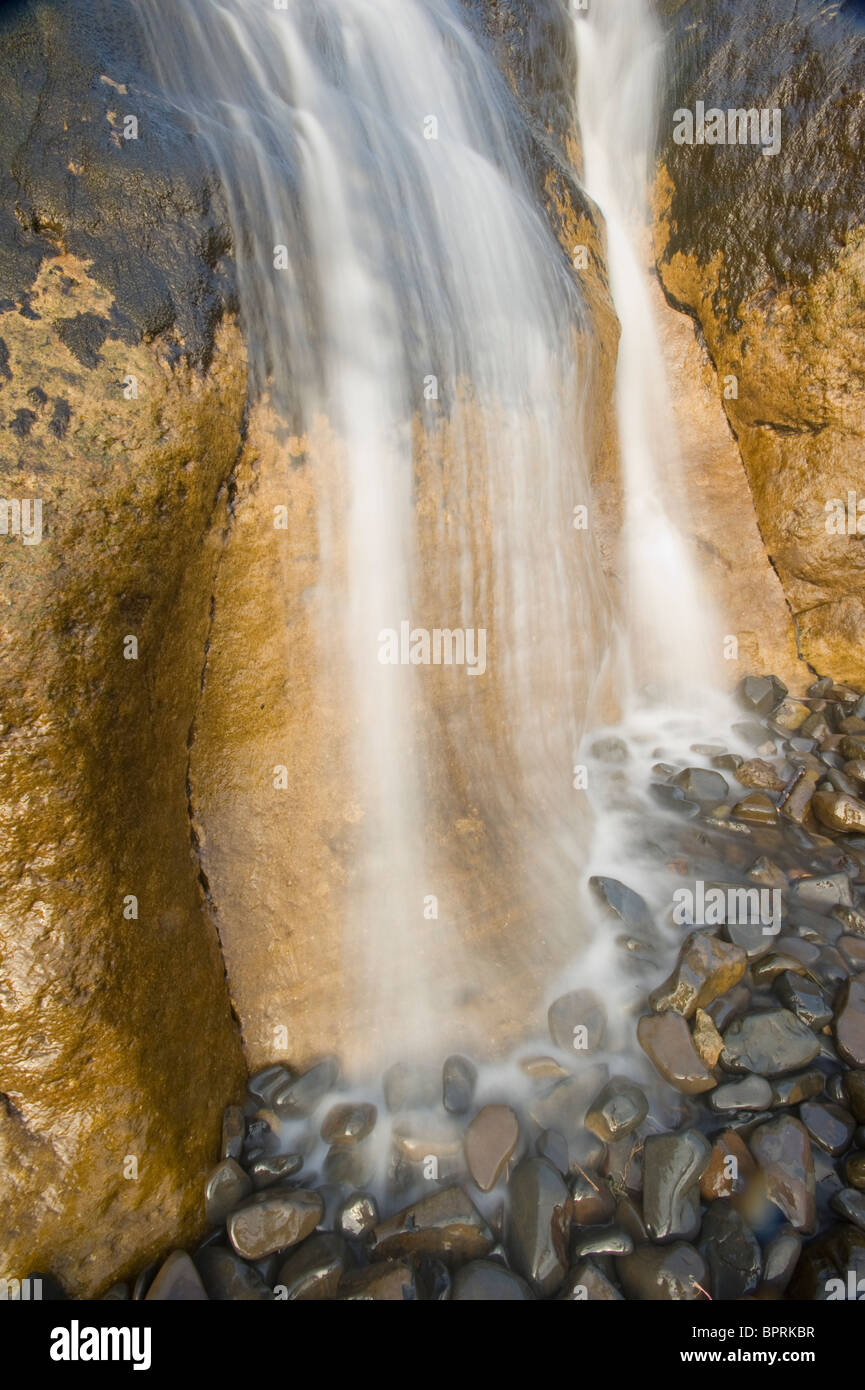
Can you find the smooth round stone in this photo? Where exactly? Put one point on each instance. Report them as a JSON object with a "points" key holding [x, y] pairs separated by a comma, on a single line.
{"points": [[348, 1124], [489, 1142], [226, 1187], [445, 1225], [273, 1221], [587, 1284], [658, 1273], [177, 1281], [609, 1240], [750, 937], [264, 1084], [357, 1215], [312, 1272], [301, 1095], [459, 1078], [666, 1040], [707, 967], [731, 1251], [753, 1093], [700, 784], [761, 695], [721, 1178], [729, 1006], [618, 1110], [792, 1090], [804, 998], [850, 1205], [228, 1279], [766, 970], [623, 903], [489, 1282], [854, 1171], [233, 1132], [838, 811], [266, 1171], [673, 1165], [829, 1126], [782, 1149], [850, 1023], [769, 1044], [781, 1257], [420, 1136], [577, 1022], [538, 1222]]}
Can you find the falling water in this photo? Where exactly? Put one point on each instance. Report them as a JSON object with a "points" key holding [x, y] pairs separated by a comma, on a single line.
{"points": [[424, 334], [674, 644]]}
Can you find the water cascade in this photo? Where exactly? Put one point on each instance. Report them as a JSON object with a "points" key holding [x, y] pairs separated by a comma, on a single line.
{"points": [[413, 319]]}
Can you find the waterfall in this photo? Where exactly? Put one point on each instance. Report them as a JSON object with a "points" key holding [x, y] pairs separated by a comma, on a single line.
{"points": [[412, 318], [675, 646]]}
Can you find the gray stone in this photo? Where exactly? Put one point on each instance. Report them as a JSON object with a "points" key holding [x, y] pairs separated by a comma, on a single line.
{"points": [[619, 1108], [752, 1093], [228, 1279], [301, 1095], [769, 1044], [783, 1153], [672, 1167], [586, 1284], [623, 903], [804, 998], [459, 1077], [226, 1187], [537, 1225], [348, 1124], [177, 1281], [446, 1225], [828, 1125], [781, 1257], [731, 1251]]}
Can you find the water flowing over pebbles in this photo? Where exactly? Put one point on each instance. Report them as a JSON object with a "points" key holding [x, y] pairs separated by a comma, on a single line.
{"points": [[687, 1147]]}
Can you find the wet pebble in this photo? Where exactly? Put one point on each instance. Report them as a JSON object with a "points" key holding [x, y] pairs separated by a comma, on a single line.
{"points": [[273, 1221], [266, 1171], [707, 967], [489, 1142], [850, 1205], [226, 1187], [357, 1215], [446, 1224], [673, 1165], [538, 1222], [667, 1042], [670, 1273], [302, 1094], [348, 1124], [227, 1278], [781, 1257], [769, 1044], [617, 1110], [177, 1281], [623, 903], [828, 1125], [752, 1093], [731, 1251], [804, 998], [459, 1077], [391, 1281], [312, 1272], [782, 1150]]}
